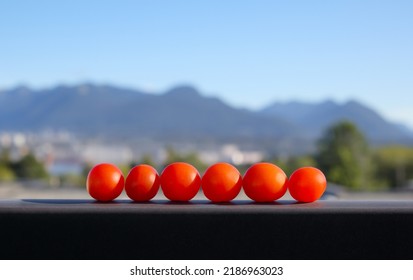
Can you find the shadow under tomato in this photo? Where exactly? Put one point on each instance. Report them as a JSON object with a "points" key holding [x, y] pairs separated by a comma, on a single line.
{"points": [[59, 201]]}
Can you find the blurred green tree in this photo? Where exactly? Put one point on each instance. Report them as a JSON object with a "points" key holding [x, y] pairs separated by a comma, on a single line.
{"points": [[394, 165], [192, 158], [6, 171], [290, 164], [72, 180], [145, 159], [344, 156], [5, 156], [28, 167]]}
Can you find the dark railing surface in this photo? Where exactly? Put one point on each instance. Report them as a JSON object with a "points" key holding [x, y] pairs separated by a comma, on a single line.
{"points": [[84, 229]]}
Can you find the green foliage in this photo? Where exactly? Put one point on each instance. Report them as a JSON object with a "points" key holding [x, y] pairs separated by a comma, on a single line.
{"points": [[242, 168], [81, 180], [289, 165], [344, 156], [145, 159], [28, 167], [191, 158], [71, 180], [394, 165], [6, 173], [5, 156], [125, 168]]}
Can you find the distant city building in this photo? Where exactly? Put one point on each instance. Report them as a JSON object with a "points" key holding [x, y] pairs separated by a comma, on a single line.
{"points": [[231, 153], [64, 153]]}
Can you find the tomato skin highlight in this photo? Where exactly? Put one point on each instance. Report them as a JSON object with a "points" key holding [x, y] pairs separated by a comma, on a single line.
{"points": [[105, 182], [264, 182], [180, 181], [221, 182], [307, 184], [142, 183]]}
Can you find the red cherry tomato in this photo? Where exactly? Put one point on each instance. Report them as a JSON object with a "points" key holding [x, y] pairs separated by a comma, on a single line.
{"points": [[105, 182], [264, 182], [307, 184], [180, 181], [221, 182], [142, 183]]}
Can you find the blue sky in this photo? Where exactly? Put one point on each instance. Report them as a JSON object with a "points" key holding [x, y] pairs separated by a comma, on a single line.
{"points": [[249, 53]]}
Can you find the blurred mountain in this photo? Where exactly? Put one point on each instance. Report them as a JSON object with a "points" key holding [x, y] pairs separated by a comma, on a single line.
{"points": [[182, 114], [314, 118]]}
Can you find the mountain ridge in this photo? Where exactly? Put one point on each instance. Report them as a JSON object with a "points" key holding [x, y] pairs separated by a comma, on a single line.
{"points": [[318, 116], [183, 113]]}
